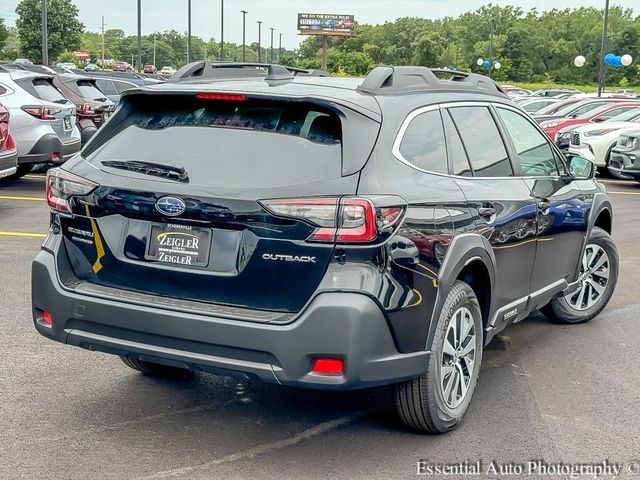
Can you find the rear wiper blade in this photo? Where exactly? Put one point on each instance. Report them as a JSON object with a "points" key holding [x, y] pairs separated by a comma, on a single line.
{"points": [[172, 172]]}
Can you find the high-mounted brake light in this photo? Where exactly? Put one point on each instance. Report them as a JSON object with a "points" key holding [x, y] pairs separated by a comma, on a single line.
{"points": [[351, 220], [41, 112], [229, 97], [61, 186]]}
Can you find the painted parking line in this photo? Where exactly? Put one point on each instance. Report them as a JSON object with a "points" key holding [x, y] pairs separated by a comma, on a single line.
{"points": [[623, 193], [18, 197], [23, 234]]}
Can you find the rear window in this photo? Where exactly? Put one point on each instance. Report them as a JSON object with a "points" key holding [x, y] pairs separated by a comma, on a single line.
{"points": [[45, 91], [89, 91], [229, 143]]}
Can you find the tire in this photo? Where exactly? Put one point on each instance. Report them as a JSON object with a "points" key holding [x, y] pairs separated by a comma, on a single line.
{"points": [[421, 402], [572, 308], [21, 171], [154, 369]]}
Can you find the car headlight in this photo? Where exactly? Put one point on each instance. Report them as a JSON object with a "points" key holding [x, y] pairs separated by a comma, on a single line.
{"points": [[625, 142], [599, 133]]}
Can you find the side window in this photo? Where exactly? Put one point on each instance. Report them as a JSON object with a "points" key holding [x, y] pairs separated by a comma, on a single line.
{"points": [[482, 141], [423, 143], [105, 86], [535, 155], [2, 90], [459, 160]]}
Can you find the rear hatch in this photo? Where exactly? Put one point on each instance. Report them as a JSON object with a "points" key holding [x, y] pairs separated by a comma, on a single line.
{"points": [[206, 198], [59, 107], [96, 105]]}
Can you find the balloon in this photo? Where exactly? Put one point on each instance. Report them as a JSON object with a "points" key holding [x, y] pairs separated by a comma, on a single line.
{"points": [[486, 64], [617, 62], [609, 59], [479, 62], [497, 65], [626, 60], [579, 61]]}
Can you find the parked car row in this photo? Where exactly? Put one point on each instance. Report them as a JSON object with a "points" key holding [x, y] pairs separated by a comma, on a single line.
{"points": [[48, 113], [604, 130]]}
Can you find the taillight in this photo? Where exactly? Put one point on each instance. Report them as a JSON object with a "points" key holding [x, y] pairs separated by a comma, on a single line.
{"points": [[41, 112], [351, 220], [229, 97], [61, 186]]}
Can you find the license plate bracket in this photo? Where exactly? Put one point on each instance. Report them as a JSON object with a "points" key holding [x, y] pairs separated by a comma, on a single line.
{"points": [[179, 245]]}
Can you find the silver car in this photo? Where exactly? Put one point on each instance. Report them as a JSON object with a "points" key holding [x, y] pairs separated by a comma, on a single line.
{"points": [[43, 122]]}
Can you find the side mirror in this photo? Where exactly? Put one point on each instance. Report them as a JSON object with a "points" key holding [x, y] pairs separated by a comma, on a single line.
{"points": [[599, 119], [580, 168]]}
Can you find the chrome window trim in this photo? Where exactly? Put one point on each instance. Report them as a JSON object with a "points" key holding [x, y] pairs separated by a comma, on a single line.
{"points": [[414, 113]]}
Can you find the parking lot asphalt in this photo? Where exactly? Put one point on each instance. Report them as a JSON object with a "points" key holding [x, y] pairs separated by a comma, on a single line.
{"points": [[556, 393]]}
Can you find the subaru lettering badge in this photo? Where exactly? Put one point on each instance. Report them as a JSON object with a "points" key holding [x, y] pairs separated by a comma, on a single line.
{"points": [[171, 206]]}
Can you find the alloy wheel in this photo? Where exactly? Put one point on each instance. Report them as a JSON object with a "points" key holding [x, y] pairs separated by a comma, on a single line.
{"points": [[594, 277], [458, 357]]}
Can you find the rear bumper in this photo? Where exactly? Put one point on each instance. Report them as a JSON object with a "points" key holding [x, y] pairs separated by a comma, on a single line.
{"points": [[343, 325], [48, 145], [626, 163]]}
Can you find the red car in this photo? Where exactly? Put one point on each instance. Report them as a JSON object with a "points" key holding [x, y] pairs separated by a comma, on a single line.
{"points": [[150, 69], [8, 152], [122, 67], [600, 114]]}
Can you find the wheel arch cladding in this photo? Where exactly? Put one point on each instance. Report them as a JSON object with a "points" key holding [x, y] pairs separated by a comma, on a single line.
{"points": [[604, 220], [469, 258]]}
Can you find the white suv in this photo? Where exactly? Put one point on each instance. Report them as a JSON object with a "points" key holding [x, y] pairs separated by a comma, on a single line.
{"points": [[43, 122]]}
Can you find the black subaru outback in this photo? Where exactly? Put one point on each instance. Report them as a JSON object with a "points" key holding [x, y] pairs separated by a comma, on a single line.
{"points": [[319, 232]]}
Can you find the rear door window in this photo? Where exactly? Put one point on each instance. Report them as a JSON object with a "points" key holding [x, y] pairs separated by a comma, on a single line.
{"points": [[423, 144], [482, 141], [228, 143]]}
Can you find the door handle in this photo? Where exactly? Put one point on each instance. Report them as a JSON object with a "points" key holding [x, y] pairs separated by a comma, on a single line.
{"points": [[486, 210], [544, 206]]}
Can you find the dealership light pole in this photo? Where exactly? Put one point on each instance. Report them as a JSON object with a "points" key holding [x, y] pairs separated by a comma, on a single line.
{"points": [[491, 32], [603, 50], [222, 30], [244, 26], [271, 59], [139, 35], [45, 34], [259, 39], [279, 49], [103, 43], [188, 31]]}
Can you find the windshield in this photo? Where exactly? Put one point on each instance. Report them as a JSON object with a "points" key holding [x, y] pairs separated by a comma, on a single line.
{"points": [[229, 143], [556, 107]]}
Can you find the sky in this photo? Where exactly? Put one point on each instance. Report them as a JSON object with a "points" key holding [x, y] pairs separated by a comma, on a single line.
{"points": [[159, 15]]}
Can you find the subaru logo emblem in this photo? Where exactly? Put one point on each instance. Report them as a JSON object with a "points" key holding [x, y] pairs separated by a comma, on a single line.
{"points": [[171, 206]]}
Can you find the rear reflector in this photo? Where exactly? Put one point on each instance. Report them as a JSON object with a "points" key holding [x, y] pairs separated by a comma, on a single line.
{"points": [[328, 366], [46, 318], [229, 97]]}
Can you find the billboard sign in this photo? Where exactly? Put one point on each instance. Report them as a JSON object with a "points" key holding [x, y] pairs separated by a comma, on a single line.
{"points": [[325, 24]]}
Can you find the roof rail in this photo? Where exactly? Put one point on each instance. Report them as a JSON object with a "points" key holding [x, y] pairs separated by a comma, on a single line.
{"points": [[387, 80], [203, 70]]}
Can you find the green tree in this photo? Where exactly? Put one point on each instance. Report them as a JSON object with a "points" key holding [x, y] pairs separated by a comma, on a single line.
{"points": [[4, 34], [64, 28]]}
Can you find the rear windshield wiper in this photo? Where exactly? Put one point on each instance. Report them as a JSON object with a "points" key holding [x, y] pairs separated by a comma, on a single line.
{"points": [[172, 172]]}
